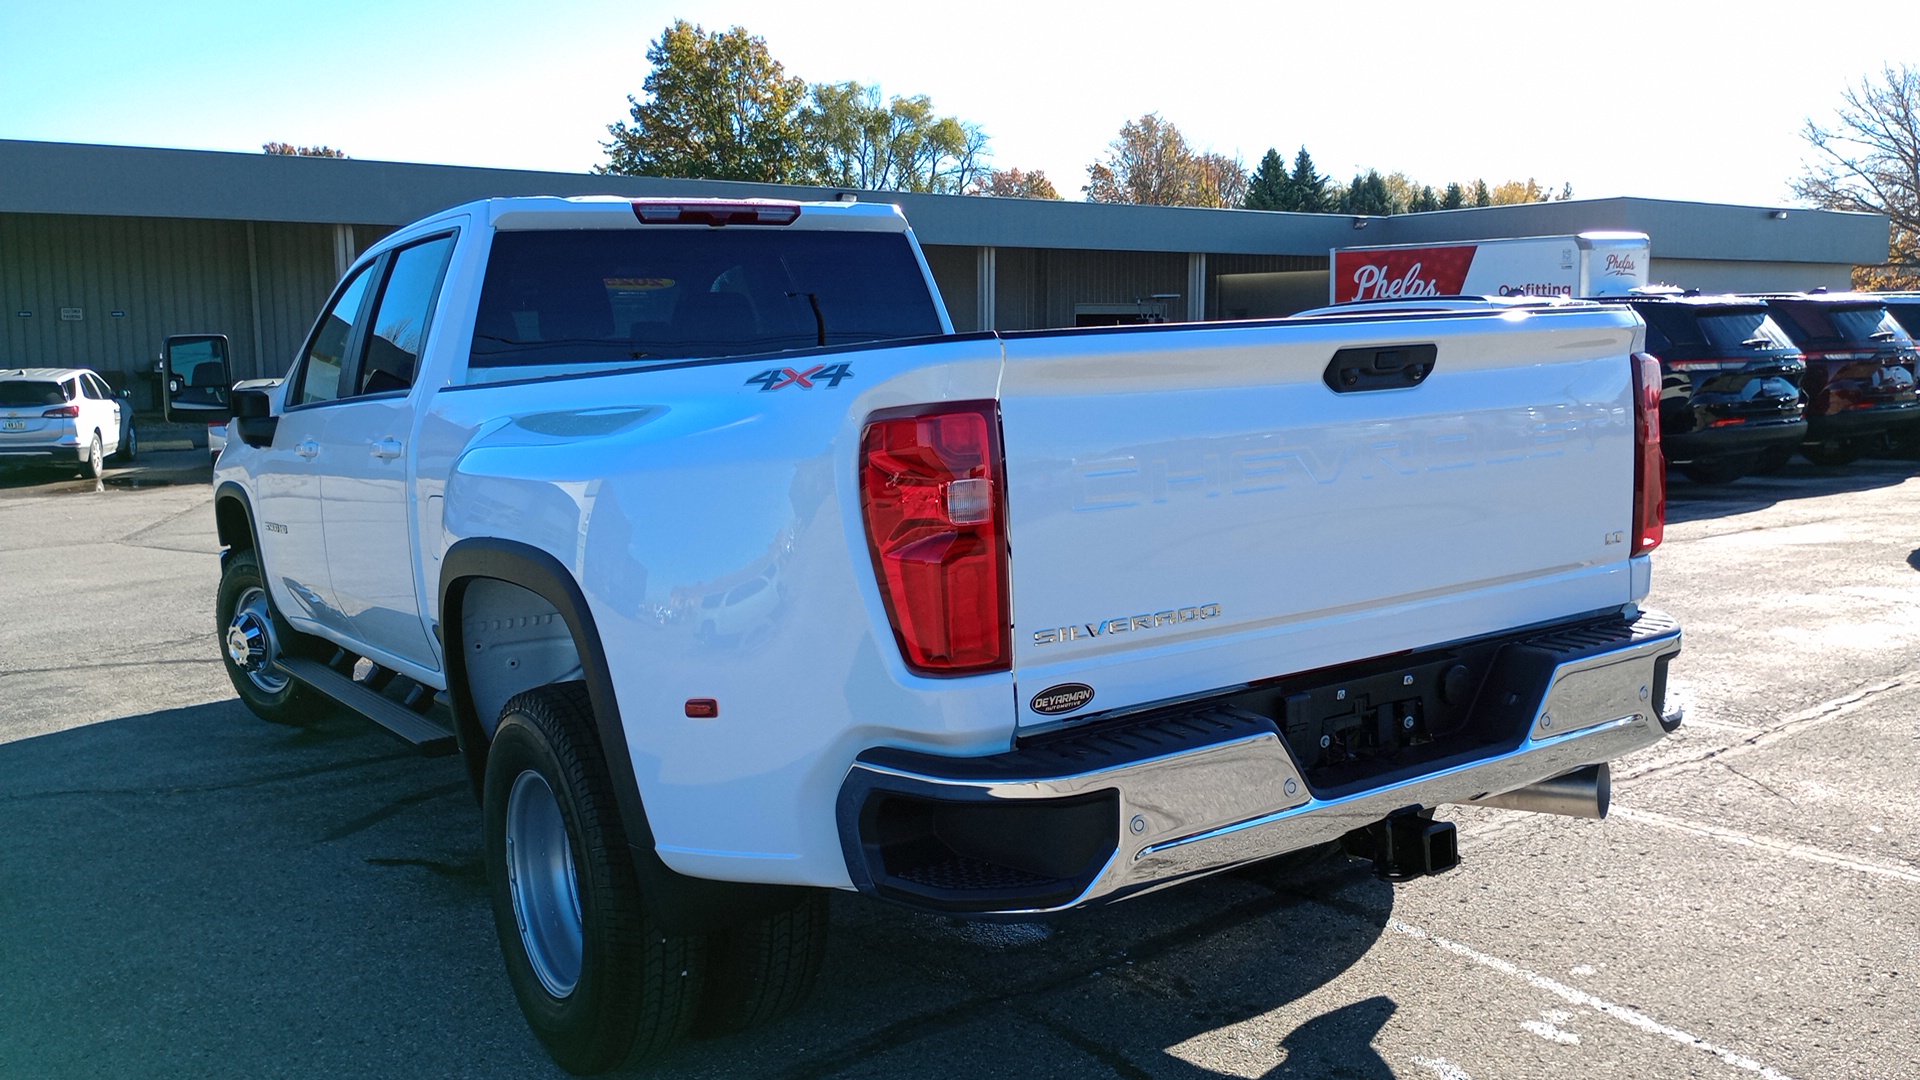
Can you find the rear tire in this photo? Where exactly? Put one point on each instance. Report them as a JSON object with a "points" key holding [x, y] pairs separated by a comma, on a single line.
{"points": [[92, 465], [252, 637], [598, 983], [762, 970], [1844, 452]]}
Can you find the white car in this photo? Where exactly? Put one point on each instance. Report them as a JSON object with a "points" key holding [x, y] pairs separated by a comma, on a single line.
{"points": [[65, 416]]}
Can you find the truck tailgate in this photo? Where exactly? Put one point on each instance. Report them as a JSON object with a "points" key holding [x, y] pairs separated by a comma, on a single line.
{"points": [[1194, 507]]}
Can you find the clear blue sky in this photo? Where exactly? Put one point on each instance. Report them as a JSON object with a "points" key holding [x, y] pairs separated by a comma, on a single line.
{"points": [[1687, 101]]}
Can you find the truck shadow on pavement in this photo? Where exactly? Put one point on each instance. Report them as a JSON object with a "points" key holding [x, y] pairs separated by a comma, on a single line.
{"points": [[194, 892]]}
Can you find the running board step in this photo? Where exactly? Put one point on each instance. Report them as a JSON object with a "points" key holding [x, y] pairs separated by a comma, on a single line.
{"points": [[432, 739]]}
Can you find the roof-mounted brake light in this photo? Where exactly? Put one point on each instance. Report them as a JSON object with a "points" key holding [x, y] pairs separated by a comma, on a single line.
{"points": [[715, 213]]}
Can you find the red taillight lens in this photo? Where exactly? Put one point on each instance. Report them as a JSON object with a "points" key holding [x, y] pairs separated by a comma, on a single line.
{"points": [[67, 412], [930, 489], [1649, 465]]}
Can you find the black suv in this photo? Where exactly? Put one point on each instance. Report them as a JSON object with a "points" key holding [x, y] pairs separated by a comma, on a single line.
{"points": [[1730, 387], [1860, 372]]}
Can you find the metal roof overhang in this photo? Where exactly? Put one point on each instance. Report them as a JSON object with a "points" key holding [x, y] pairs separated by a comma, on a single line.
{"points": [[130, 181]]}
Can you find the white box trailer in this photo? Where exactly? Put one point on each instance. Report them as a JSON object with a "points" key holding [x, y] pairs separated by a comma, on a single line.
{"points": [[1590, 264]]}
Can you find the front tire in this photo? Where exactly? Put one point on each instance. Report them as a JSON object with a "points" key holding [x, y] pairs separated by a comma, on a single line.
{"points": [[129, 447], [252, 638], [599, 984]]}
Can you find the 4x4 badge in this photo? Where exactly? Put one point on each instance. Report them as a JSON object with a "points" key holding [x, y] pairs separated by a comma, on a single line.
{"points": [[776, 378]]}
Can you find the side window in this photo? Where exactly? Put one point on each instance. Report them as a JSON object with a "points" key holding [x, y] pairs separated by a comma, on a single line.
{"points": [[91, 388], [68, 390], [400, 317], [327, 355]]}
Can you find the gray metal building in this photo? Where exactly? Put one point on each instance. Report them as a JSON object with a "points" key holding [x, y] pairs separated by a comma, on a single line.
{"points": [[105, 250]]}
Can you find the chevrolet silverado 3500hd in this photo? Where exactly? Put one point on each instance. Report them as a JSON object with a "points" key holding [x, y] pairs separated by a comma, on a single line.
{"points": [[736, 576]]}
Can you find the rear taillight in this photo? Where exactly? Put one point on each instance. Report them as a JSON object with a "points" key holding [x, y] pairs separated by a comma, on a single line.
{"points": [[65, 412], [1649, 466], [930, 490]]}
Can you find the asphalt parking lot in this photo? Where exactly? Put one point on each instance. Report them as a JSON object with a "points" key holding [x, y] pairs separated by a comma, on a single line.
{"points": [[186, 891]]}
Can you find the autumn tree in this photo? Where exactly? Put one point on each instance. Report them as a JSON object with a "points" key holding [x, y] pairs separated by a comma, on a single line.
{"points": [[1515, 192], [1015, 184], [1869, 160], [1152, 164], [291, 150], [855, 139], [719, 107]]}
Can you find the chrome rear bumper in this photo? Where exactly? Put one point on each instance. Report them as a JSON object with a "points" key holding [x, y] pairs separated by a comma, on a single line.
{"points": [[1144, 805]]}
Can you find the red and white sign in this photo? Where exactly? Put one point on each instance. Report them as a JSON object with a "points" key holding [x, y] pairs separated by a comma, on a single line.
{"points": [[1592, 264]]}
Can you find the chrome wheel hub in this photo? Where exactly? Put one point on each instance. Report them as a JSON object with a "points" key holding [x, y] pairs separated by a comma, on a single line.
{"points": [[540, 878], [250, 643]]}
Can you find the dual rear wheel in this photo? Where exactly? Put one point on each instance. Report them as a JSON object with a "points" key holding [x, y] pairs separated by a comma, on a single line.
{"points": [[598, 981]]}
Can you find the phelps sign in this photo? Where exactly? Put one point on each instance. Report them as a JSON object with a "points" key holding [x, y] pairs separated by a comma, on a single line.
{"points": [[1590, 264]]}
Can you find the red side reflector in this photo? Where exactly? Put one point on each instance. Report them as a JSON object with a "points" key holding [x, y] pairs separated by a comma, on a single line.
{"points": [[715, 212], [65, 412], [703, 708], [1649, 465], [931, 493]]}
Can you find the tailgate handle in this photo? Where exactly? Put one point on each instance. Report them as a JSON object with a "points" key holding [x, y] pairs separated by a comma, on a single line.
{"points": [[1380, 367]]}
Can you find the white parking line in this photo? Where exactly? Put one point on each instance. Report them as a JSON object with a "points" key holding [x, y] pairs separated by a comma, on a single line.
{"points": [[1444, 1069], [1631, 1017], [1778, 847]]}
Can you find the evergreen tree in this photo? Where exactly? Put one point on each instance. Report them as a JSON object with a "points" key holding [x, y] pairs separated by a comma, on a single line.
{"points": [[1368, 195], [1481, 196], [1454, 199], [1268, 187], [1423, 201], [1308, 188]]}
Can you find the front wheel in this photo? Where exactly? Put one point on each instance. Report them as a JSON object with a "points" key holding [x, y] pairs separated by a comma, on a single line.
{"points": [[252, 640], [129, 446], [598, 983]]}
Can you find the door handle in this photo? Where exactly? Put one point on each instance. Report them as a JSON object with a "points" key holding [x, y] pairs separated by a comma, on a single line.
{"points": [[308, 449], [387, 448]]}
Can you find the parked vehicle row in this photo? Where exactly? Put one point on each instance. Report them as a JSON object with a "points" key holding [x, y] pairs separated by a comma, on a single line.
{"points": [[1748, 380]]}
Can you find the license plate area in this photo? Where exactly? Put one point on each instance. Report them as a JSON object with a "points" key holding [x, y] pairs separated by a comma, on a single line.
{"points": [[13, 425]]}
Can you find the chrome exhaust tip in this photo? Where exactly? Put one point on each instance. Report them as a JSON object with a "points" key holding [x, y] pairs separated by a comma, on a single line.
{"points": [[1584, 793]]}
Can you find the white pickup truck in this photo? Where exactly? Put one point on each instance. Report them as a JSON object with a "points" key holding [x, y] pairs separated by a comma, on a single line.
{"points": [[736, 576]]}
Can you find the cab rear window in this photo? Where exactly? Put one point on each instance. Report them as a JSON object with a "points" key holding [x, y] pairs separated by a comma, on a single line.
{"points": [[642, 296]]}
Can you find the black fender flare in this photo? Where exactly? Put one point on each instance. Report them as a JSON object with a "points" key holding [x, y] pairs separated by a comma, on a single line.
{"points": [[680, 904]]}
